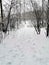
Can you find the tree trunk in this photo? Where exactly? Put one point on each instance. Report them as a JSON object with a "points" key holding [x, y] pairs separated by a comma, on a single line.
{"points": [[47, 30], [48, 19], [6, 28], [1, 15], [1, 10], [8, 18]]}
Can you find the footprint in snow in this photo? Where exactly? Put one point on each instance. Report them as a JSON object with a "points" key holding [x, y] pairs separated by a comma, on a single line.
{"points": [[9, 63]]}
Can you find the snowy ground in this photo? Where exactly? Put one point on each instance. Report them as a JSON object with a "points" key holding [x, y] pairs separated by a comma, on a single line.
{"points": [[25, 47]]}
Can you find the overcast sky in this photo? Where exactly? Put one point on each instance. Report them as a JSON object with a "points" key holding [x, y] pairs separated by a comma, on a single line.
{"points": [[27, 7], [39, 1]]}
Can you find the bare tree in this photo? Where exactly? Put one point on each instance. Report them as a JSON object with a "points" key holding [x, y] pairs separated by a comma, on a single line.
{"points": [[8, 17], [1, 10], [38, 14], [1, 15], [48, 19], [14, 15], [1, 21]]}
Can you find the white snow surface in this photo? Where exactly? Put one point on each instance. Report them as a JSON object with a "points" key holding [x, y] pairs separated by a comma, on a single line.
{"points": [[25, 47]]}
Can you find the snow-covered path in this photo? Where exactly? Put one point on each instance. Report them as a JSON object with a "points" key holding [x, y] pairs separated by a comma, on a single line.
{"points": [[25, 47]]}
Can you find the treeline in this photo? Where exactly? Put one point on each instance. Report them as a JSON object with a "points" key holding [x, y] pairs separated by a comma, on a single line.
{"points": [[42, 15], [12, 15]]}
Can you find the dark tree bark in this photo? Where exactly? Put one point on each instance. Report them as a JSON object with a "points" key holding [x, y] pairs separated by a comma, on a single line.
{"points": [[47, 30], [1, 15], [6, 28], [38, 14], [1, 10], [48, 19], [38, 18]]}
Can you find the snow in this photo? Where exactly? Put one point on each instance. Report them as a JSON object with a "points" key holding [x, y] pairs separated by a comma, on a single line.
{"points": [[25, 47]]}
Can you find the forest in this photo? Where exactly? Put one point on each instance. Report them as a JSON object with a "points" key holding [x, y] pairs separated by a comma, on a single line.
{"points": [[15, 12]]}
